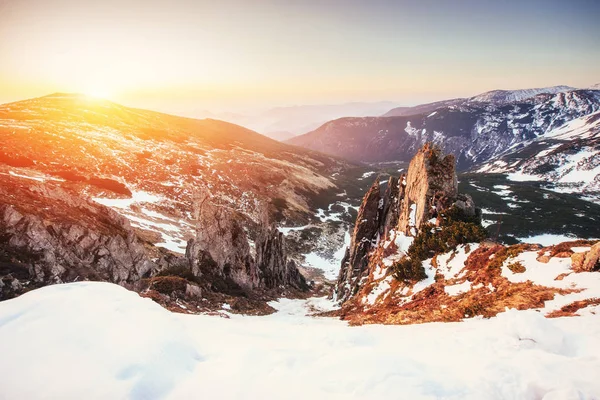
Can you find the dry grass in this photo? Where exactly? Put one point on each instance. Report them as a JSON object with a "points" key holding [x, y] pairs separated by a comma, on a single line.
{"points": [[516, 267], [570, 310]]}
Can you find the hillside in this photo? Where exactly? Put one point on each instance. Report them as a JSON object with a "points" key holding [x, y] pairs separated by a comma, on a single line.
{"points": [[150, 167]]}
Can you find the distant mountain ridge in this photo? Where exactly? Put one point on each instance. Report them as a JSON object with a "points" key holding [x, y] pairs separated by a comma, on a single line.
{"points": [[474, 131], [282, 123], [493, 96]]}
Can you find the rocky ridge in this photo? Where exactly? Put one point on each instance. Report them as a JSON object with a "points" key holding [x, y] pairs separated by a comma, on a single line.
{"points": [[50, 234]]}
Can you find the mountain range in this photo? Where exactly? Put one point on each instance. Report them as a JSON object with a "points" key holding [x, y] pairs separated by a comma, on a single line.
{"points": [[282, 123], [479, 130]]}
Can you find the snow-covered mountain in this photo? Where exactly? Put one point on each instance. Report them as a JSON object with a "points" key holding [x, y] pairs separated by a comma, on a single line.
{"points": [[475, 132], [509, 96], [565, 159], [493, 96], [422, 108]]}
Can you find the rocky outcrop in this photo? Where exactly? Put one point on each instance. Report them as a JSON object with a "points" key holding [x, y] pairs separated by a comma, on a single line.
{"points": [[431, 185], [587, 261], [221, 248], [275, 269], [50, 235], [429, 188], [364, 237]]}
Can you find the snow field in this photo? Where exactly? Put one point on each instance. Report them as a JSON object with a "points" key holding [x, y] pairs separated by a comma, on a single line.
{"points": [[98, 340]]}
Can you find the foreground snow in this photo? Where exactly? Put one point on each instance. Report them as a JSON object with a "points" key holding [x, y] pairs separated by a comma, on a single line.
{"points": [[97, 340]]}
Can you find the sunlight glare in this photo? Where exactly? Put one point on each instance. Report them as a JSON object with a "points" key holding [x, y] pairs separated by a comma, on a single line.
{"points": [[98, 92]]}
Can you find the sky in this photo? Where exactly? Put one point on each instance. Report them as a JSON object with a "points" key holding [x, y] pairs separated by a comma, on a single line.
{"points": [[234, 54]]}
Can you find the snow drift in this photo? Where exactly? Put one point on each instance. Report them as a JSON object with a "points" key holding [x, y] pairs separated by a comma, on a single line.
{"points": [[100, 341]]}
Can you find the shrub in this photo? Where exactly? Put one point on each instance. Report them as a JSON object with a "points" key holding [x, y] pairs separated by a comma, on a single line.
{"points": [[409, 270], [516, 267], [456, 229]]}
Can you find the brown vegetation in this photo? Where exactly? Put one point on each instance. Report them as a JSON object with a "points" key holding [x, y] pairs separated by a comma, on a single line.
{"points": [[570, 310]]}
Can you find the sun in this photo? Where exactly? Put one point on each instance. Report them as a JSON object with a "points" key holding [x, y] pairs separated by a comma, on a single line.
{"points": [[99, 92]]}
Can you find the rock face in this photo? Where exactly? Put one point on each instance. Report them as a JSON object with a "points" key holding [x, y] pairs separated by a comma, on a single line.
{"points": [[429, 188], [587, 261], [366, 230], [50, 235], [431, 184], [392, 200], [275, 269], [221, 248]]}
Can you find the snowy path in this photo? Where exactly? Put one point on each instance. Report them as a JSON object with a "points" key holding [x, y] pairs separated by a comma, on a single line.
{"points": [[100, 341]]}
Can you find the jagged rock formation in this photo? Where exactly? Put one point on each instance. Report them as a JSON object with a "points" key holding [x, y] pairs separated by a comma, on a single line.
{"points": [[455, 279], [50, 235], [366, 230], [275, 269], [429, 188], [221, 247], [431, 184]]}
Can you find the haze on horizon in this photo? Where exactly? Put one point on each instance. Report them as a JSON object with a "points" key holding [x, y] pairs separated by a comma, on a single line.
{"points": [[178, 56]]}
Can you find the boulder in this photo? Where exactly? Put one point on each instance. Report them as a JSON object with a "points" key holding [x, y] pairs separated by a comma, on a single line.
{"points": [[592, 259]]}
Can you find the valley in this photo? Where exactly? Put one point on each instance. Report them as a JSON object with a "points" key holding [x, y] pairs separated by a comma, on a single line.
{"points": [[207, 220]]}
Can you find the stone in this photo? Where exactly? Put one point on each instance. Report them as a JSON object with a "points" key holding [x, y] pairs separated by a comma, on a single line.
{"points": [[544, 259], [592, 259], [577, 260], [193, 291]]}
